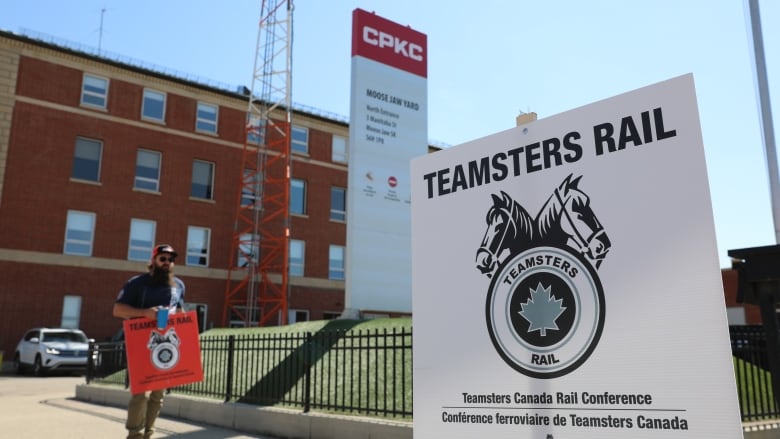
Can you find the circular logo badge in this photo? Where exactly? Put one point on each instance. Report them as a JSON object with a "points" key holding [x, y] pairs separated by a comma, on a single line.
{"points": [[165, 356], [545, 311]]}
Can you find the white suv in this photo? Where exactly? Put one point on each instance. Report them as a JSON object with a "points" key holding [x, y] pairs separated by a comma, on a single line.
{"points": [[45, 349]]}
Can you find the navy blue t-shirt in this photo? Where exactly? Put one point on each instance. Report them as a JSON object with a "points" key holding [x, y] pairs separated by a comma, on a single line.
{"points": [[140, 292]]}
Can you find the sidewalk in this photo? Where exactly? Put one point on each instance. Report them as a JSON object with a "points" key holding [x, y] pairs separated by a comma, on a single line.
{"points": [[46, 408]]}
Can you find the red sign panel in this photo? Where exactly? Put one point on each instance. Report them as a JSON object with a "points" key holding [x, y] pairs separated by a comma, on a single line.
{"points": [[159, 359], [389, 43]]}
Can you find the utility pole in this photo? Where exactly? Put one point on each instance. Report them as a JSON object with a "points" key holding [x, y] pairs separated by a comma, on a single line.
{"points": [[765, 111]]}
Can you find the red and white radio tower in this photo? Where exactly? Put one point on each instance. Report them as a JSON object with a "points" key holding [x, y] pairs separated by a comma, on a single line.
{"points": [[257, 286]]}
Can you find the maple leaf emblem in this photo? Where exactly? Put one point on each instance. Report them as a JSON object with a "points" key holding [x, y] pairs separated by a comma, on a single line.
{"points": [[542, 310]]}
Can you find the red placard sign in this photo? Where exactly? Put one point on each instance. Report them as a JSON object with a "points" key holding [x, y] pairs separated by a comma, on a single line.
{"points": [[159, 359]]}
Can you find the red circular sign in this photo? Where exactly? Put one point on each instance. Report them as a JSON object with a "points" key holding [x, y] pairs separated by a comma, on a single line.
{"points": [[392, 181]]}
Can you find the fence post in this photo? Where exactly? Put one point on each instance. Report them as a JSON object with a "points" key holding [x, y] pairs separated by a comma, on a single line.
{"points": [[307, 374], [90, 363], [229, 374]]}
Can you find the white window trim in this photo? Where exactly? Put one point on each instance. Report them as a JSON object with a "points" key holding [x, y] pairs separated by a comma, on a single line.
{"points": [[91, 241], [302, 264], [339, 157], [341, 269], [294, 142], [148, 249], [334, 211], [211, 183], [84, 91], [303, 208], [199, 255], [159, 171], [209, 122], [100, 159], [75, 302], [164, 105]]}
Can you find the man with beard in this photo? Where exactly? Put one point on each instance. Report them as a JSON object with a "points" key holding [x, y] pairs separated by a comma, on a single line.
{"points": [[142, 296]]}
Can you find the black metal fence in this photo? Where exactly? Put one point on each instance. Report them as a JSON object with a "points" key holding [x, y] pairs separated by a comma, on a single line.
{"points": [[361, 372], [369, 372], [752, 372]]}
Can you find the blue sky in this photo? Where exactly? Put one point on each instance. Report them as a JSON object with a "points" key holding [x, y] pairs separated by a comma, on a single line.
{"points": [[487, 62]]}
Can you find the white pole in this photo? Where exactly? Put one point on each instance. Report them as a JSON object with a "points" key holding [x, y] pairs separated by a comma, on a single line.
{"points": [[765, 112]]}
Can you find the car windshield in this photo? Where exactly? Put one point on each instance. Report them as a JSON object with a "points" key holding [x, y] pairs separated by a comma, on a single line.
{"points": [[63, 336]]}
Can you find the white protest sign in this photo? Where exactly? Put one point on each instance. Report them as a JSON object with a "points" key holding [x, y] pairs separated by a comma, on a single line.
{"points": [[566, 280]]}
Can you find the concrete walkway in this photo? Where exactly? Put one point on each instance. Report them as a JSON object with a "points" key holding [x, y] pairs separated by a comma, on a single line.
{"points": [[44, 408]]}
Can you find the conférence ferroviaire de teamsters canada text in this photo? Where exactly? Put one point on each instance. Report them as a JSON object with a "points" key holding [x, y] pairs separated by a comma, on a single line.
{"points": [[575, 409]]}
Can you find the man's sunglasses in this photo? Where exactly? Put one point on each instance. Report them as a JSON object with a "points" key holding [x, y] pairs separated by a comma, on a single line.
{"points": [[166, 259]]}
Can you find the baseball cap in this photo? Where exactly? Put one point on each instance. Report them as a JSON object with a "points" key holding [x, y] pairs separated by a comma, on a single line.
{"points": [[163, 248]]}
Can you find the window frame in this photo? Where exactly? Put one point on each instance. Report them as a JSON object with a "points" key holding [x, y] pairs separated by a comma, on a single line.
{"points": [[333, 270], [296, 261], [146, 246], [209, 126], [248, 241], [210, 188], [153, 118], [84, 141], [79, 242], [71, 311], [299, 146], [204, 252], [335, 213], [293, 191], [156, 182], [336, 155], [292, 315], [86, 93], [253, 198]]}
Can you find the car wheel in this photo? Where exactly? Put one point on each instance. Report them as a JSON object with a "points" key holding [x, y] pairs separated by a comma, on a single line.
{"points": [[38, 369], [18, 367]]}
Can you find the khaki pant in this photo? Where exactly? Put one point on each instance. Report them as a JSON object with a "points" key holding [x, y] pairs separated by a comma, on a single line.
{"points": [[142, 412]]}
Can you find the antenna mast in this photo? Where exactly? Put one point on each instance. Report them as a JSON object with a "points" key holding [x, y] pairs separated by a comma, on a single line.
{"points": [[258, 275]]}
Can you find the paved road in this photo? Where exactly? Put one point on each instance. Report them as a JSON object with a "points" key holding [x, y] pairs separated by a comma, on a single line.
{"points": [[44, 408]]}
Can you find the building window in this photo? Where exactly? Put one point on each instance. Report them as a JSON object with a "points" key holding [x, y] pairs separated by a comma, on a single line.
{"points": [[339, 149], [297, 196], [79, 233], [338, 203], [248, 250], [71, 312], [147, 170], [198, 246], [206, 120], [250, 190], [300, 140], [153, 107], [336, 262], [141, 240], [202, 180], [297, 315], [86, 159], [94, 91], [297, 257], [255, 129], [327, 315]]}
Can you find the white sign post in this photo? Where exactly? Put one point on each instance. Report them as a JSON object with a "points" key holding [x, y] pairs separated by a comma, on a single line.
{"points": [[566, 280], [388, 127]]}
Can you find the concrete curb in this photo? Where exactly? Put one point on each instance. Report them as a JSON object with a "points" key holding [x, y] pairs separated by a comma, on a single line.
{"points": [[283, 423]]}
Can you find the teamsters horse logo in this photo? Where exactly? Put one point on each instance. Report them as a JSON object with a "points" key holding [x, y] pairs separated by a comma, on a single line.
{"points": [[545, 306], [164, 349]]}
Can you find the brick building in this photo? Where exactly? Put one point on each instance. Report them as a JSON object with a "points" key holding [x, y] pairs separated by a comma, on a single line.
{"points": [[100, 159]]}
